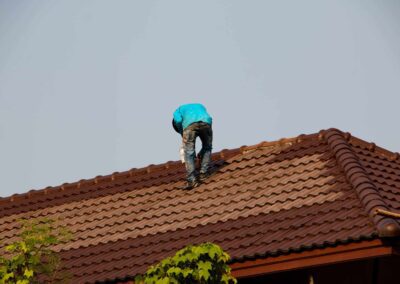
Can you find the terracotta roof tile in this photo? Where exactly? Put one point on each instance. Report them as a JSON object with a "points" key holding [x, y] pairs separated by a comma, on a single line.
{"points": [[272, 198]]}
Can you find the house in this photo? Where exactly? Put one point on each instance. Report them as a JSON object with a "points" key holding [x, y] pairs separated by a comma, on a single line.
{"points": [[318, 208]]}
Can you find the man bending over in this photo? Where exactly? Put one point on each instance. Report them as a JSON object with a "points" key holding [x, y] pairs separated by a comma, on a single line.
{"points": [[192, 121]]}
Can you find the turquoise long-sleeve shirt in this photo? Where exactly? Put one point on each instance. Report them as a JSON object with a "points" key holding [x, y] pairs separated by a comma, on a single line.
{"points": [[187, 114]]}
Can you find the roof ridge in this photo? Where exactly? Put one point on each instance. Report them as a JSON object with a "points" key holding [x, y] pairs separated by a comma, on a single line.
{"points": [[360, 181], [372, 147], [139, 172], [280, 142]]}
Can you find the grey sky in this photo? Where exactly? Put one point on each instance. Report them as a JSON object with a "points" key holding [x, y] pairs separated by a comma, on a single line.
{"points": [[89, 87]]}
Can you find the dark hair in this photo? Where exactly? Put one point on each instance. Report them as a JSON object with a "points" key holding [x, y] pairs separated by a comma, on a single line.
{"points": [[175, 126]]}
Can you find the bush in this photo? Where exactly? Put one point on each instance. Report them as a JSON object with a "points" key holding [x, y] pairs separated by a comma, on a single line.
{"points": [[203, 264], [32, 256]]}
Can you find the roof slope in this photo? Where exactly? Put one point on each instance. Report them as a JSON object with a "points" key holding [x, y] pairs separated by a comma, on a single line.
{"points": [[301, 193]]}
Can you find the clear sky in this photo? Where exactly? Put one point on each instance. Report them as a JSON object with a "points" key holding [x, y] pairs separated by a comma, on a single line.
{"points": [[88, 87]]}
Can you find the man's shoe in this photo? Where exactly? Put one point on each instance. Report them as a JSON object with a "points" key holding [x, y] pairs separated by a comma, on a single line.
{"points": [[203, 176], [191, 184]]}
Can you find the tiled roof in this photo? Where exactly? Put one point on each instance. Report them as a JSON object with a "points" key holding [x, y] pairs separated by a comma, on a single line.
{"points": [[273, 198]]}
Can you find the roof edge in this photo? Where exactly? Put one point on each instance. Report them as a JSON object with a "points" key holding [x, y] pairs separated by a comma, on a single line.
{"points": [[317, 257], [360, 181]]}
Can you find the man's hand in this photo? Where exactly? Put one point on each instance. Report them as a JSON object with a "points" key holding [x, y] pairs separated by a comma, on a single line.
{"points": [[182, 154]]}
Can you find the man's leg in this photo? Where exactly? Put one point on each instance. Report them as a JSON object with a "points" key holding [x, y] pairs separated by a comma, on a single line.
{"points": [[206, 136], [189, 139]]}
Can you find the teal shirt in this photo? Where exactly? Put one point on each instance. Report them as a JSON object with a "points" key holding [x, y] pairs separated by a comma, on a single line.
{"points": [[185, 115]]}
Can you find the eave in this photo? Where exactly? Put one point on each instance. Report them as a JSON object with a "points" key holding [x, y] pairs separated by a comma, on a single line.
{"points": [[316, 257]]}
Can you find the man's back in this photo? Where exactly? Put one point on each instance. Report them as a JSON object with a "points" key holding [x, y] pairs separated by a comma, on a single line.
{"points": [[190, 113]]}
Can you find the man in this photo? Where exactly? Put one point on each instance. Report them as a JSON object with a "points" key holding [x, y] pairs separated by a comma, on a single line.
{"points": [[192, 121]]}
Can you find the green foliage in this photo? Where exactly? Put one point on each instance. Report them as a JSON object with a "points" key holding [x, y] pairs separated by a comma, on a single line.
{"points": [[202, 264], [32, 255]]}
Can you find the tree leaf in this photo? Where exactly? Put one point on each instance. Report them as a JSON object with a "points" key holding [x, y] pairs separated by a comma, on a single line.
{"points": [[11, 247], [206, 265], [28, 273], [204, 268], [8, 276], [24, 246], [164, 280], [204, 274], [174, 271]]}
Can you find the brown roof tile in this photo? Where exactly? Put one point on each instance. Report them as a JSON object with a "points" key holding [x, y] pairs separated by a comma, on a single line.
{"points": [[273, 198]]}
